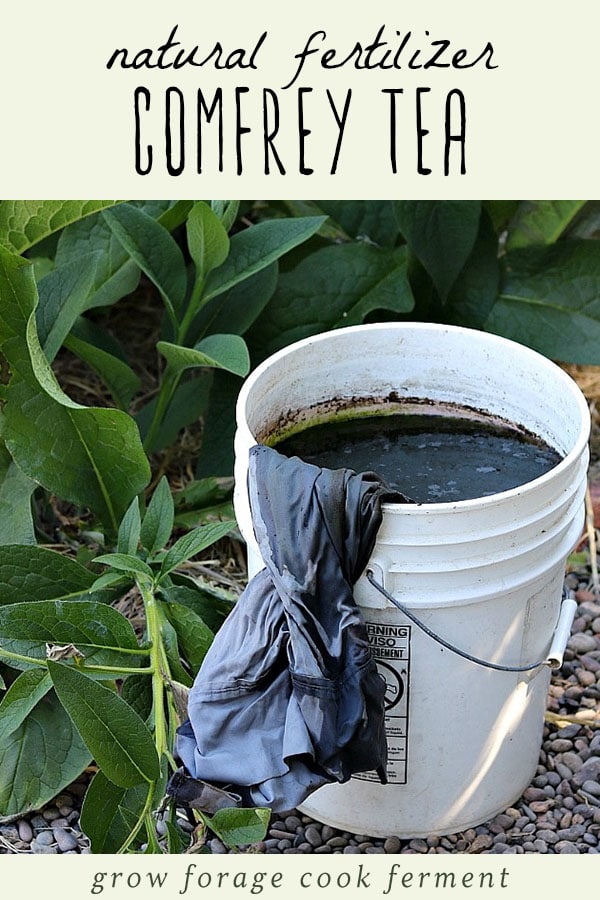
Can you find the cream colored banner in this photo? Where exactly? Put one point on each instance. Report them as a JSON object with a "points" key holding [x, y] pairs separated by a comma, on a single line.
{"points": [[418, 877], [428, 99]]}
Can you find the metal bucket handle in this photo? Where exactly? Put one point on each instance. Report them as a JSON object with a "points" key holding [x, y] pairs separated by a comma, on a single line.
{"points": [[554, 658]]}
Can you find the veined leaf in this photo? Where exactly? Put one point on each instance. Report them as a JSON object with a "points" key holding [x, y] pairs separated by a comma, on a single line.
{"points": [[40, 758], [136, 690], [62, 297], [441, 234], [216, 453], [193, 543], [372, 219], [240, 826], [22, 696], [24, 223], [16, 490], [188, 404], [158, 519], [116, 736], [128, 537], [476, 289], [334, 286], [125, 562], [541, 221], [257, 247], [234, 311], [211, 607], [550, 300], [217, 351], [208, 241], [173, 653], [101, 463], [154, 250], [97, 630], [193, 635], [119, 378], [227, 211], [110, 814], [115, 274], [29, 573]]}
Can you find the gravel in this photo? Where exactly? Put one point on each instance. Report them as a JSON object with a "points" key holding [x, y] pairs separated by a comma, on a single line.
{"points": [[558, 813]]}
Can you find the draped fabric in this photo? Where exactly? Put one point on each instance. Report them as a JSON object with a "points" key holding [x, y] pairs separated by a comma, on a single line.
{"points": [[288, 697]]}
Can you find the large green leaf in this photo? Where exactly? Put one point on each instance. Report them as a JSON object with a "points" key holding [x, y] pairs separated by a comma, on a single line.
{"points": [[217, 351], [193, 635], [110, 814], [240, 826], [208, 241], [334, 286], [16, 489], [29, 573], [550, 300], [194, 542], [476, 289], [158, 519], [62, 297], [234, 311], [39, 758], [119, 378], [117, 737], [24, 223], [257, 247], [541, 221], [186, 407], [22, 696], [115, 274], [154, 250], [441, 234], [216, 453], [211, 607], [93, 457], [100, 632], [371, 219], [128, 537]]}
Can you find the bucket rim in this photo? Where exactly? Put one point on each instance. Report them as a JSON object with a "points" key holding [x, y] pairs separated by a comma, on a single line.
{"points": [[441, 507]]}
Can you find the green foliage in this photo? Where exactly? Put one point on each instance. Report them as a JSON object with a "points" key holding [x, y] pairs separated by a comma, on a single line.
{"points": [[231, 282]]}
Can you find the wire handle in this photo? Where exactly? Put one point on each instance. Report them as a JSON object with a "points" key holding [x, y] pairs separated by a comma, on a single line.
{"points": [[553, 661]]}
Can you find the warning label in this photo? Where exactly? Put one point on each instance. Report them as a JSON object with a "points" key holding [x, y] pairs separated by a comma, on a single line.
{"points": [[390, 647]]}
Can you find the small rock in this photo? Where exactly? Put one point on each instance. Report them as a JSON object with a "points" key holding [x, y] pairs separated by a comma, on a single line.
{"points": [[313, 836], [419, 845], [566, 847], [582, 643], [591, 787], [43, 848], [392, 844], [65, 840], [216, 846], [45, 837], [25, 830], [481, 842]]}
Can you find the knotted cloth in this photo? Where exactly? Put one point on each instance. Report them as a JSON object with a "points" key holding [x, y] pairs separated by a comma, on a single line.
{"points": [[288, 697]]}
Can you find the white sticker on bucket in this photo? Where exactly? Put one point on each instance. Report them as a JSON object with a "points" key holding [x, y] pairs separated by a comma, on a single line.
{"points": [[390, 647]]}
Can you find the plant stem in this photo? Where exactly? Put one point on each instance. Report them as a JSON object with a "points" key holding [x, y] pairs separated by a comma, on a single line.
{"points": [[163, 399], [158, 665], [171, 379]]}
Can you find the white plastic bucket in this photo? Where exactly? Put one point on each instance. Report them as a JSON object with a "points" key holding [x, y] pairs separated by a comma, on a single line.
{"points": [[485, 574]]}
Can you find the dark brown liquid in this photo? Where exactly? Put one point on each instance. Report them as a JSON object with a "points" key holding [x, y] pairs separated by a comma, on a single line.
{"points": [[430, 458]]}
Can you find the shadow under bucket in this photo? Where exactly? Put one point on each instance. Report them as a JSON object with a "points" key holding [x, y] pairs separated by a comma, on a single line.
{"points": [[485, 574]]}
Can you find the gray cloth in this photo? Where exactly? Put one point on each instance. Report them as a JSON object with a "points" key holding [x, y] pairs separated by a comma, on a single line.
{"points": [[288, 697]]}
